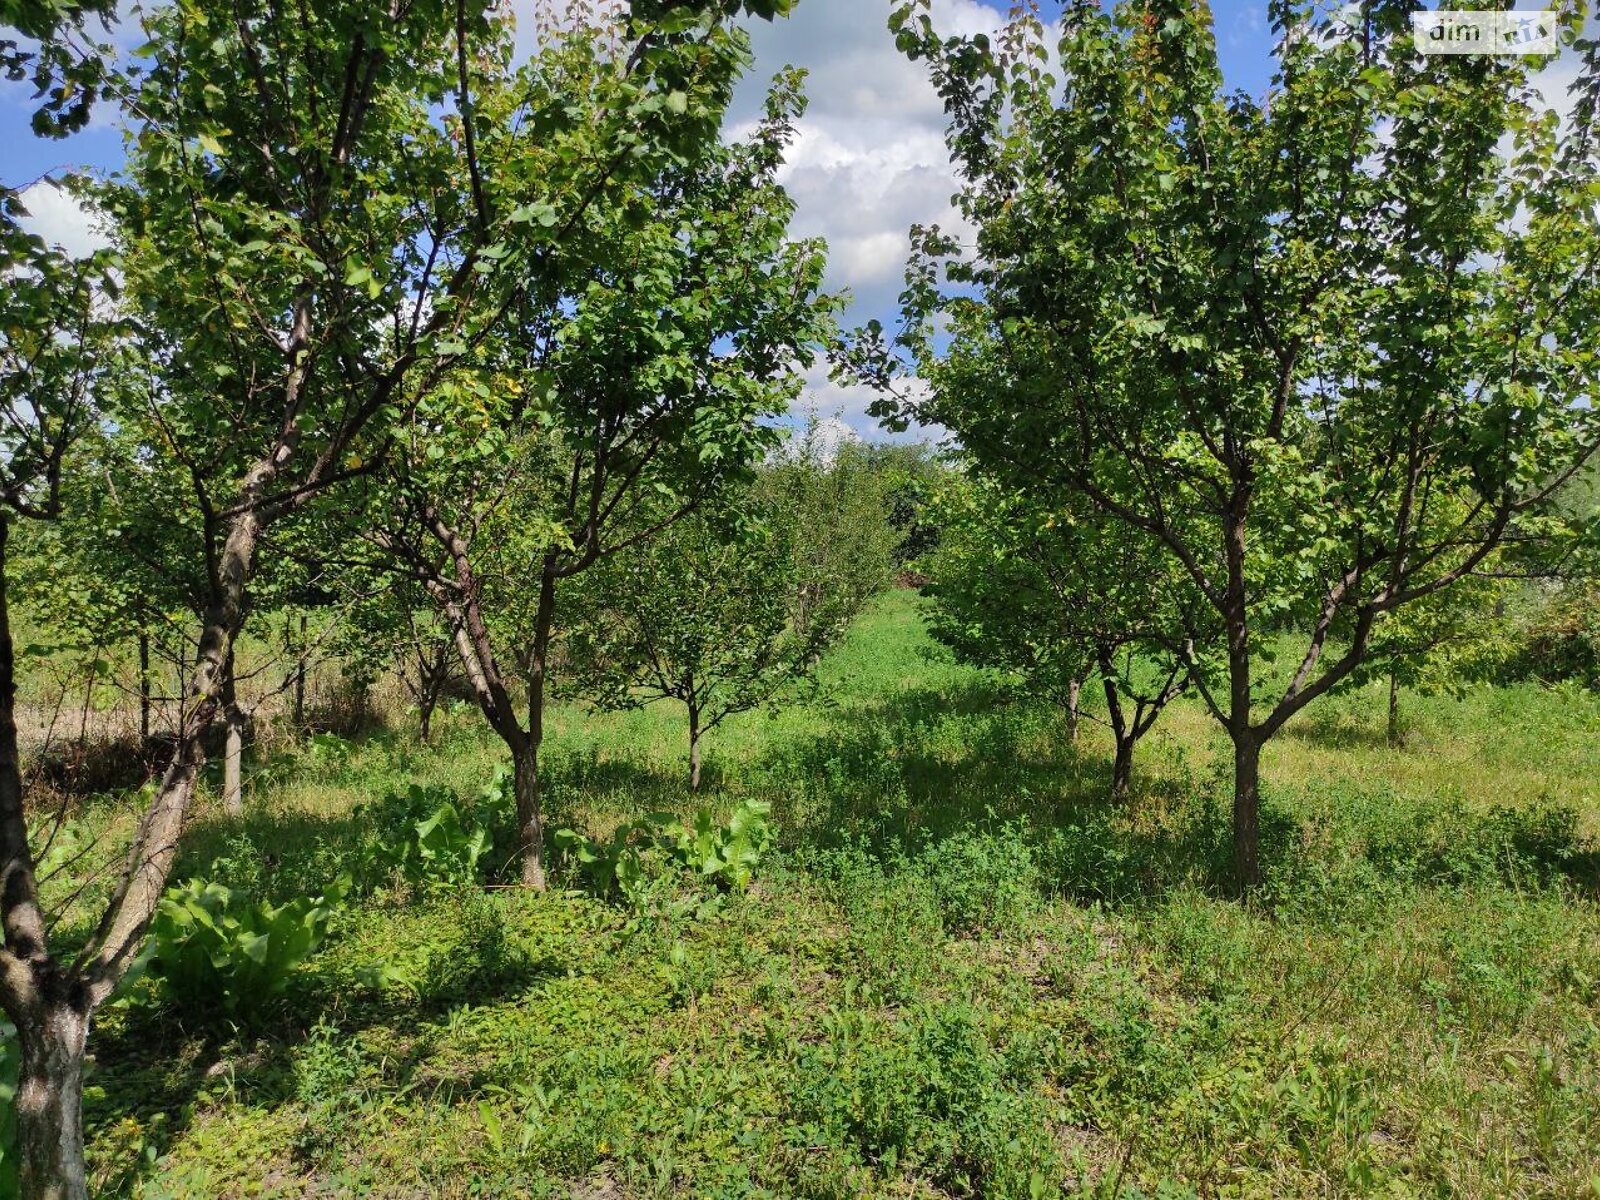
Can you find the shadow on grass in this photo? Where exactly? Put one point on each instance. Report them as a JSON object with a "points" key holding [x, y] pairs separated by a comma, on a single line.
{"points": [[903, 774]]}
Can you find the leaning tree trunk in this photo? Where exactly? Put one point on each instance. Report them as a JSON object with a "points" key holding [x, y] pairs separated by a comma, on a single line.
{"points": [[476, 650], [49, 1100]]}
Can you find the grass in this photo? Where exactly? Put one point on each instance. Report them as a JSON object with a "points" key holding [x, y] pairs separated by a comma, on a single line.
{"points": [[961, 973]]}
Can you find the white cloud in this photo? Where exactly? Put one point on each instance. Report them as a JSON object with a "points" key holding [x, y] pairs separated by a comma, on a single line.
{"points": [[848, 403], [61, 219], [869, 159]]}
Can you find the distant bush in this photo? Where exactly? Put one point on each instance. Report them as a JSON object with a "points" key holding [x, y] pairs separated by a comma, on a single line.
{"points": [[1562, 639], [1369, 844], [215, 953]]}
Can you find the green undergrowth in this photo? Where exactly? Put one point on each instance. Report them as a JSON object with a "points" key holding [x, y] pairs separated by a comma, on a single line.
{"points": [[956, 971]]}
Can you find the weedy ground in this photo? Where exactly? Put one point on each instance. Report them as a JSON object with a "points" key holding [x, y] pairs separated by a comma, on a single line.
{"points": [[961, 972]]}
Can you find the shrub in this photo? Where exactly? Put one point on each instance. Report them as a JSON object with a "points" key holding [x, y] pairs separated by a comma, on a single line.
{"points": [[477, 960], [1562, 641], [893, 922], [422, 837], [725, 854], [216, 954], [984, 882], [929, 1094]]}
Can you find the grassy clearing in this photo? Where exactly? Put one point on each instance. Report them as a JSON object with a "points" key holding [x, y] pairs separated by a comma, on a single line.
{"points": [[961, 974]]}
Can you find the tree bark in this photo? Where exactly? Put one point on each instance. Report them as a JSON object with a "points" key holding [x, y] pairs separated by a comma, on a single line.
{"points": [[1122, 767], [1394, 708], [475, 647], [300, 681], [1125, 732], [1246, 742], [233, 765], [530, 818], [144, 688], [1247, 810], [1074, 695], [233, 745], [49, 1100], [694, 746], [425, 705]]}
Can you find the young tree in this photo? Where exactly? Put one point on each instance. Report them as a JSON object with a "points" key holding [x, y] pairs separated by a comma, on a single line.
{"points": [[1050, 596], [639, 382], [709, 612], [1329, 350], [1441, 644]]}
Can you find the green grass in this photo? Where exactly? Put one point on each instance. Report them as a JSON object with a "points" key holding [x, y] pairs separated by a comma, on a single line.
{"points": [[961, 974]]}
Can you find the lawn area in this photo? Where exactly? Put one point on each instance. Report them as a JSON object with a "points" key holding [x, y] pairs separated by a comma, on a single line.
{"points": [[959, 971]]}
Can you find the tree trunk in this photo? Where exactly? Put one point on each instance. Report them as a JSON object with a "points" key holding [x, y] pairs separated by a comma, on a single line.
{"points": [[425, 715], [1245, 737], [300, 681], [1124, 731], [1394, 709], [233, 744], [49, 1103], [1122, 766], [530, 820], [1247, 810], [694, 747], [233, 764], [50, 1031], [144, 688], [1074, 694]]}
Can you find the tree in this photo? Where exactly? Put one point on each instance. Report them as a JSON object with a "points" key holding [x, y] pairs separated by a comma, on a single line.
{"points": [[55, 342], [1330, 350], [1441, 644], [1056, 597], [725, 609], [639, 380], [325, 211]]}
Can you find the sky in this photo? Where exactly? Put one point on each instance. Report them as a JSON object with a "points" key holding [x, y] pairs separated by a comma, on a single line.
{"points": [[868, 162]]}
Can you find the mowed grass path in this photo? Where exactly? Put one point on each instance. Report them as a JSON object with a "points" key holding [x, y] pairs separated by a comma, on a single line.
{"points": [[961, 974]]}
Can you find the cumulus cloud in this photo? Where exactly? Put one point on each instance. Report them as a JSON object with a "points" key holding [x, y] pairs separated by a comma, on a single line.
{"points": [[62, 219], [869, 160]]}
